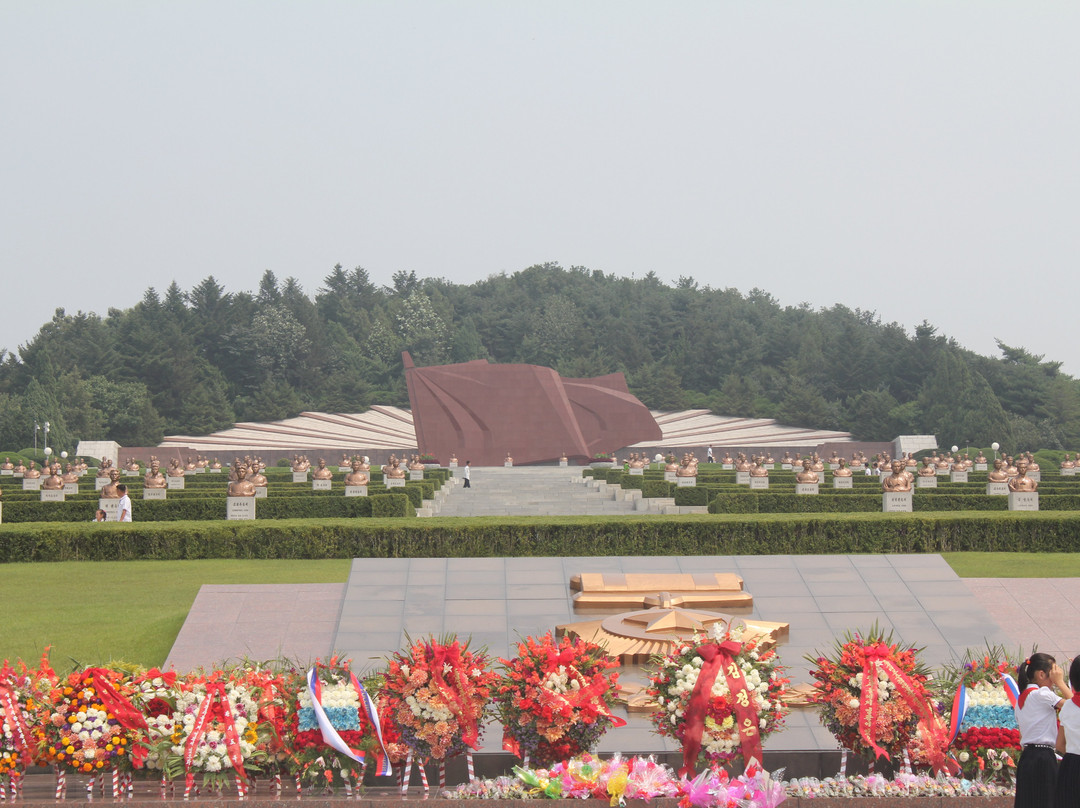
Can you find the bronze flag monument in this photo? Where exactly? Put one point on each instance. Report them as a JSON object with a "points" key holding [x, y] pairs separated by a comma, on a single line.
{"points": [[487, 411]]}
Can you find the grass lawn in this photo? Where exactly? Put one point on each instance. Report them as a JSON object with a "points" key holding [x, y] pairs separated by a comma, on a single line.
{"points": [[1014, 565], [92, 612]]}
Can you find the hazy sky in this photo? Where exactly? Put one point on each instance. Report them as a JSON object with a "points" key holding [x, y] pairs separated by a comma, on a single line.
{"points": [[919, 159]]}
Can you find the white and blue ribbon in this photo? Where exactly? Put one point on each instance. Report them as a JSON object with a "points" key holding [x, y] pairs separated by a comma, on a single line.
{"points": [[330, 735]]}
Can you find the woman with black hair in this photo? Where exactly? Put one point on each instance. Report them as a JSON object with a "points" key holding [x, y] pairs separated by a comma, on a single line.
{"points": [[1036, 713], [1068, 744]]}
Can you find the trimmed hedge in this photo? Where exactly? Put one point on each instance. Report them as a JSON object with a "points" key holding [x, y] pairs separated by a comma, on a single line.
{"points": [[588, 536], [770, 502]]}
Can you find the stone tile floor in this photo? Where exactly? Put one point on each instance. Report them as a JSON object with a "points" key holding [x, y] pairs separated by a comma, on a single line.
{"points": [[497, 600]]}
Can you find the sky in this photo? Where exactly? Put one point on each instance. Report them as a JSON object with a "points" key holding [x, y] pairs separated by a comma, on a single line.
{"points": [[916, 159]]}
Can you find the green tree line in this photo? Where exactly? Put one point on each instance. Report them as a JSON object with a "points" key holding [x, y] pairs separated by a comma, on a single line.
{"points": [[195, 361]]}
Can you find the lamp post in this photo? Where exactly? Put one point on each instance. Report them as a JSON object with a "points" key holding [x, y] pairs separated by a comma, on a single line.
{"points": [[37, 428], [995, 446], [48, 451]]}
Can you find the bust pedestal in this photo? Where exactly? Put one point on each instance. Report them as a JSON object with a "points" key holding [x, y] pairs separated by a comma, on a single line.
{"points": [[321, 485], [344, 468], [727, 466], [1035, 475], [7, 472], [926, 482], [52, 496], [842, 482], [111, 508], [685, 482], [562, 464], [240, 507], [1023, 500], [637, 472], [416, 474], [130, 473], [71, 488], [807, 488], [394, 482], [742, 478], [175, 483], [154, 493], [980, 467], [785, 466], [759, 483], [31, 484], [356, 490], [669, 477], [997, 489], [896, 501], [958, 476], [299, 476], [1068, 472], [942, 472], [260, 492]]}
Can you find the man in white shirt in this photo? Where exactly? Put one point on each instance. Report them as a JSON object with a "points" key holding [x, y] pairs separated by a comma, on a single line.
{"points": [[465, 474], [123, 507]]}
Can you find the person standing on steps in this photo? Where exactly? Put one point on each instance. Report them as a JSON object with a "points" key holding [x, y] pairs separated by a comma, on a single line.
{"points": [[468, 483]]}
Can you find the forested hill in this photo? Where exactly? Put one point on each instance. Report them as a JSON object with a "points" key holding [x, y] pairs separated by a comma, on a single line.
{"points": [[198, 360]]}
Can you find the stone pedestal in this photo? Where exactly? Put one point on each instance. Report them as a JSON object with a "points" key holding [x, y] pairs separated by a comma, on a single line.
{"points": [[394, 482], [356, 490], [71, 488], [842, 482], [240, 507], [980, 467], [344, 468], [260, 492], [785, 466], [896, 502], [727, 466], [18, 475], [175, 483], [637, 472], [53, 496], [806, 488], [321, 485], [1023, 500], [7, 472], [759, 483], [130, 473], [997, 489], [669, 477], [1035, 475], [686, 482], [926, 482], [958, 476], [511, 465], [100, 482], [154, 493], [199, 469], [1068, 472], [416, 474], [299, 477], [742, 478], [454, 464], [31, 484], [834, 466], [942, 472], [214, 471], [111, 508], [562, 464]]}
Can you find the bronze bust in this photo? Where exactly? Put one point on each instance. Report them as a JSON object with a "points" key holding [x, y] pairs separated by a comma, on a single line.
{"points": [[322, 472], [154, 478], [108, 491], [33, 472], [843, 471], [807, 475], [997, 474], [898, 480], [357, 476], [241, 487], [53, 482], [1021, 482]]}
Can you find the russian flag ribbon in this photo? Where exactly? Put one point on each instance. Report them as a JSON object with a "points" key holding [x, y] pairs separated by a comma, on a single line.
{"points": [[330, 735], [959, 708]]}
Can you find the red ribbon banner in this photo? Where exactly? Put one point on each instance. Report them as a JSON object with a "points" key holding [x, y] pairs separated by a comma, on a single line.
{"points": [[877, 660], [720, 658], [19, 730], [113, 701], [466, 713], [216, 697]]}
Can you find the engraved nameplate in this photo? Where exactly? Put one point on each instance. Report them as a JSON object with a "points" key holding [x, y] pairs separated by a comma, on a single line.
{"points": [[834, 466], [215, 471], [637, 472], [896, 502], [1068, 472], [562, 464], [942, 472], [980, 467], [394, 482], [260, 492], [997, 489], [958, 476], [686, 482], [742, 478], [71, 488], [7, 472], [130, 473], [31, 484], [926, 482], [299, 477], [416, 474], [321, 485], [1023, 500], [759, 483], [1035, 475], [356, 490], [669, 477], [806, 488], [100, 482], [785, 466], [154, 493], [111, 508], [175, 483], [842, 482], [727, 466], [240, 507], [52, 496]]}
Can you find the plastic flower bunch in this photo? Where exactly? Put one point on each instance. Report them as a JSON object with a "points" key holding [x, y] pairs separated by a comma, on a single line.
{"points": [[555, 698], [749, 678], [874, 680], [23, 692], [438, 692], [341, 702], [92, 725], [217, 729]]}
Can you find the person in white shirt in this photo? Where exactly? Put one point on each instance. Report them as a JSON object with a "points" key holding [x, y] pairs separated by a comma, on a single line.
{"points": [[1036, 714], [1068, 743], [123, 507], [465, 474]]}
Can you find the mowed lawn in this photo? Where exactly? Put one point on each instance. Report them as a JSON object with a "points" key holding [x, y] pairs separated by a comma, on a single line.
{"points": [[94, 612]]}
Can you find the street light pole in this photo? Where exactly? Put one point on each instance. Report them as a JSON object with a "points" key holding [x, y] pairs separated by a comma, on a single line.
{"points": [[46, 435], [36, 428]]}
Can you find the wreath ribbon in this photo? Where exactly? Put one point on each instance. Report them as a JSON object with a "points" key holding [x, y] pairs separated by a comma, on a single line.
{"points": [[331, 737], [19, 730], [215, 697], [878, 659], [466, 712], [720, 658]]}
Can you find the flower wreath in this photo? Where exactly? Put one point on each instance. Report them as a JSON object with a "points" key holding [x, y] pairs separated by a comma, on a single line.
{"points": [[438, 692], [555, 698], [873, 696], [22, 692], [719, 696]]}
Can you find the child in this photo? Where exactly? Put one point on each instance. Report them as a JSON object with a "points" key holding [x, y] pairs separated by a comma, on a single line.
{"points": [[1068, 743], [1036, 713]]}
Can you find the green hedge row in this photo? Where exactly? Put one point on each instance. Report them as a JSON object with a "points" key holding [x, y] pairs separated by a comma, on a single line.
{"points": [[694, 535], [213, 508], [768, 502]]}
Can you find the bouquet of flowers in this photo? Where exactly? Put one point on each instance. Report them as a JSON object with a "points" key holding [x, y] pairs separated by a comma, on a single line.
{"points": [[22, 692], [719, 696], [984, 730], [154, 693], [873, 696], [555, 698], [217, 730], [331, 723], [92, 724], [438, 692]]}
